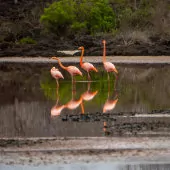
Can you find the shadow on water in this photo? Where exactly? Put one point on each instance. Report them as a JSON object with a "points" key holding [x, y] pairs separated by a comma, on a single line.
{"points": [[137, 103], [90, 166]]}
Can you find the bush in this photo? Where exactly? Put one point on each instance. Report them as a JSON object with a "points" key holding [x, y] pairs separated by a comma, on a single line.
{"points": [[85, 16], [27, 40], [101, 18]]}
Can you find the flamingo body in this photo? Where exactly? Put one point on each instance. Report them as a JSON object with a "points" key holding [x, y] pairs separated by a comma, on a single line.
{"points": [[110, 67], [88, 67], [74, 71], [56, 73], [109, 105]]}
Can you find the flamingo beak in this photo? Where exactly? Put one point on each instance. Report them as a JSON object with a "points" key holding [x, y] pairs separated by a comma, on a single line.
{"points": [[115, 70]]}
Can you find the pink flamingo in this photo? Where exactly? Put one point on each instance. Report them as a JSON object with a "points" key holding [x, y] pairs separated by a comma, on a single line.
{"points": [[109, 67], [71, 69], [55, 73], [86, 66]]}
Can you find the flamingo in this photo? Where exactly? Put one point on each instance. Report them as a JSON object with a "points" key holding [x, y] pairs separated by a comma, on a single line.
{"points": [[55, 73], [71, 69], [86, 66], [109, 67]]}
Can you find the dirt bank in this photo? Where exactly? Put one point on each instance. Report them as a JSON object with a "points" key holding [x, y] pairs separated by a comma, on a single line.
{"points": [[93, 46]]}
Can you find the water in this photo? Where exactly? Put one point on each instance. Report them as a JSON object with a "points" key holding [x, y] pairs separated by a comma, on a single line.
{"points": [[90, 166], [32, 105]]}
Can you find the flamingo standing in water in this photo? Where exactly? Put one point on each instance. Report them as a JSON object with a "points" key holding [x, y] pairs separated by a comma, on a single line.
{"points": [[109, 67], [86, 66], [55, 73], [71, 69]]}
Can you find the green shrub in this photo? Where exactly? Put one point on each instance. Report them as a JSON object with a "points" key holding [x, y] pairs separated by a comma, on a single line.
{"points": [[59, 16], [101, 18], [27, 40], [85, 16]]}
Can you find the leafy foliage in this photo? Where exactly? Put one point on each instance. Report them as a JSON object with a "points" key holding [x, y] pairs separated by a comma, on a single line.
{"points": [[27, 40], [59, 16], [88, 16]]}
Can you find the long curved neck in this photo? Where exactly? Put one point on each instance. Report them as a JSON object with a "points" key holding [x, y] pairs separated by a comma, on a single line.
{"points": [[81, 58], [104, 52], [61, 65]]}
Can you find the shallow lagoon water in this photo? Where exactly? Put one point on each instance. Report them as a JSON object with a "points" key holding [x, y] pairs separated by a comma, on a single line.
{"points": [[90, 166], [29, 98]]}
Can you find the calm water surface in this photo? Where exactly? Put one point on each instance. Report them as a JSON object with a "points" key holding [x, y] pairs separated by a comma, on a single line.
{"points": [[32, 105], [90, 166]]}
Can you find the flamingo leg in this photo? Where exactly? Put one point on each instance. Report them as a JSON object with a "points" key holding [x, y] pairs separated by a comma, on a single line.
{"points": [[57, 83], [89, 78], [108, 77]]}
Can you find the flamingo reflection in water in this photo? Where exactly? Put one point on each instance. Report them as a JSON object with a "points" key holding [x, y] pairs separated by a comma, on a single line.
{"points": [[88, 95], [109, 105], [73, 104], [56, 109]]}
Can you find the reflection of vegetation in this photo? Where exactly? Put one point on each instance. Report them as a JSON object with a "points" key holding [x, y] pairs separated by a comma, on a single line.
{"points": [[138, 88], [48, 84]]}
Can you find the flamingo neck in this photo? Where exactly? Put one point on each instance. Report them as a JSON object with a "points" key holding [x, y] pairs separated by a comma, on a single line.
{"points": [[61, 65], [104, 52], [81, 57]]}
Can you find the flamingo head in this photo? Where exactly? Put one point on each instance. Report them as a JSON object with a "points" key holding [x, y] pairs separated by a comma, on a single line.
{"points": [[81, 48], [54, 58], [53, 68], [104, 41]]}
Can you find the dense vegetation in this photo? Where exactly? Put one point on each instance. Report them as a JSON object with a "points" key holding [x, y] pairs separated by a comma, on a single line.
{"points": [[32, 22], [98, 16]]}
